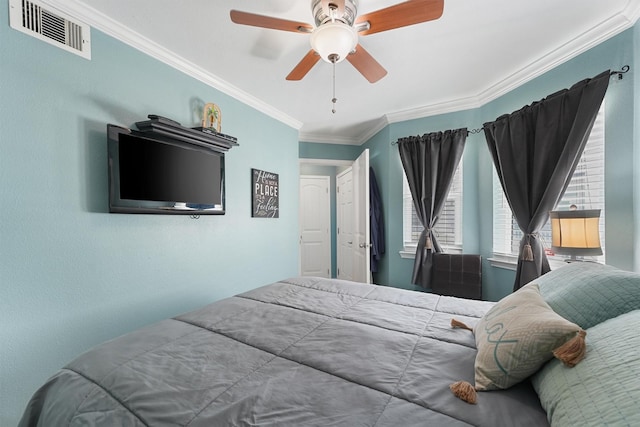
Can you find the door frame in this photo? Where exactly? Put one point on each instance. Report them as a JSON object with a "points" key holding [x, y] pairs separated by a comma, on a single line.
{"points": [[339, 164]]}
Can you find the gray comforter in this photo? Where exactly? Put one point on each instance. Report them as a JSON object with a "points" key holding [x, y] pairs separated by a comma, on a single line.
{"points": [[301, 352]]}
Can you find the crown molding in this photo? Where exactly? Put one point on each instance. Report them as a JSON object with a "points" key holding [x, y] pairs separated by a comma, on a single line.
{"points": [[380, 124], [114, 29], [581, 43], [435, 109], [322, 138]]}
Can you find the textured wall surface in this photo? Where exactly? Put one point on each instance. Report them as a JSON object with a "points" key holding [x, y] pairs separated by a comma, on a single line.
{"points": [[71, 274]]}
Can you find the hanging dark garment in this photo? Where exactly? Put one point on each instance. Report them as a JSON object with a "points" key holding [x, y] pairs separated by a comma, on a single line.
{"points": [[535, 151], [429, 162], [376, 221]]}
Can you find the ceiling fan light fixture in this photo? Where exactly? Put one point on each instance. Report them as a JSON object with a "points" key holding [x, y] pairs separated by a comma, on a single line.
{"points": [[334, 38], [329, 10]]}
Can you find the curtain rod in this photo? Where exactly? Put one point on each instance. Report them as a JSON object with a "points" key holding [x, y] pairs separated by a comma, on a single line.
{"points": [[619, 74], [625, 69]]}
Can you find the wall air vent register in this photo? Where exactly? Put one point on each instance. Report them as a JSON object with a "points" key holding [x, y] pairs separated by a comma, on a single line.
{"points": [[50, 25]]}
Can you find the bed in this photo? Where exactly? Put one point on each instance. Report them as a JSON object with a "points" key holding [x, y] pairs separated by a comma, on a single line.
{"points": [[299, 352]]}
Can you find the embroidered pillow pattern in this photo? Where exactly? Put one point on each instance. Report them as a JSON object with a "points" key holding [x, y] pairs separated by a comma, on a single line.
{"points": [[516, 337]]}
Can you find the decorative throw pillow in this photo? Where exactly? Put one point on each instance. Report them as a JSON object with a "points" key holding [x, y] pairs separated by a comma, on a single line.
{"points": [[588, 293], [515, 338], [602, 390]]}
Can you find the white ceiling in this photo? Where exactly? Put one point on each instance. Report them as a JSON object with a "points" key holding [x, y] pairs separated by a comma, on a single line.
{"points": [[477, 50]]}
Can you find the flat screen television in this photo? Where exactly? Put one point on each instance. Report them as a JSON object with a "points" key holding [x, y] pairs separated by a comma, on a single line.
{"points": [[155, 175]]}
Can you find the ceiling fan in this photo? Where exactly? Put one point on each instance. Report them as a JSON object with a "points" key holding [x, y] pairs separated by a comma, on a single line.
{"points": [[337, 26]]}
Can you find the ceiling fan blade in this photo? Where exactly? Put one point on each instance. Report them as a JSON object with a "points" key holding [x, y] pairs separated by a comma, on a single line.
{"points": [[304, 66], [366, 64], [246, 18], [401, 15]]}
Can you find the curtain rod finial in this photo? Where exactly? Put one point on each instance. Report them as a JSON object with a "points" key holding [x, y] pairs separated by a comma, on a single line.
{"points": [[619, 73]]}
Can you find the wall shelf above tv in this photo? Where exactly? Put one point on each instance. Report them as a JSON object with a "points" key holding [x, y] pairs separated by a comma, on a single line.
{"points": [[163, 128]]}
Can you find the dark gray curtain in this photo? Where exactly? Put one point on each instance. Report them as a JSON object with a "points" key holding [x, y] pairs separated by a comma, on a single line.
{"points": [[535, 151], [429, 162]]}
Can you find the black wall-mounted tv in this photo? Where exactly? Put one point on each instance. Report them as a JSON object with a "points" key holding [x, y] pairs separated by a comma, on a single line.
{"points": [[155, 175]]}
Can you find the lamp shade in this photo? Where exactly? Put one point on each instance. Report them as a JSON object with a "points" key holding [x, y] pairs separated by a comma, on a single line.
{"points": [[334, 38], [576, 232]]}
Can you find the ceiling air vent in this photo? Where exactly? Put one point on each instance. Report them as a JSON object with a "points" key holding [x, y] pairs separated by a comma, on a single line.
{"points": [[46, 23]]}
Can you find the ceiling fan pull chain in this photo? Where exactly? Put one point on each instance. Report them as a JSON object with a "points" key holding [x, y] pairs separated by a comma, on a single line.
{"points": [[334, 99]]}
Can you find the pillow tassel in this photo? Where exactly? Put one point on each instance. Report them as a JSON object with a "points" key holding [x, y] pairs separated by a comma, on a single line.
{"points": [[464, 391], [573, 351], [458, 324]]}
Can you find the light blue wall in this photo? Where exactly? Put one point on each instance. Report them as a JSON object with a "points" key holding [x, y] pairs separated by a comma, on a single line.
{"points": [[621, 161], [73, 275], [313, 150]]}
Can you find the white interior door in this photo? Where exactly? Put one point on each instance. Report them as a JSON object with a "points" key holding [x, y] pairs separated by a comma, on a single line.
{"points": [[345, 219], [354, 238], [362, 226], [315, 225]]}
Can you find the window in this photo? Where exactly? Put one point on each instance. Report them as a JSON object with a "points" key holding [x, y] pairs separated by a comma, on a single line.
{"points": [[448, 229], [586, 191]]}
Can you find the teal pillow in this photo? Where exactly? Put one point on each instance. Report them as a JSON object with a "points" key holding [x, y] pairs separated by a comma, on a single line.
{"points": [[603, 389], [588, 293]]}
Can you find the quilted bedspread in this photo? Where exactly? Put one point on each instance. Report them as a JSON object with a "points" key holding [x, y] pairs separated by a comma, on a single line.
{"points": [[300, 352]]}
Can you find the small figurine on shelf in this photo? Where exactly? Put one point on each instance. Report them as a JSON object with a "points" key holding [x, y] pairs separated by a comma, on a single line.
{"points": [[212, 117]]}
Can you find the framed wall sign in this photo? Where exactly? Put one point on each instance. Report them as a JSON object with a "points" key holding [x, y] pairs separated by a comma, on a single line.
{"points": [[265, 197]]}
